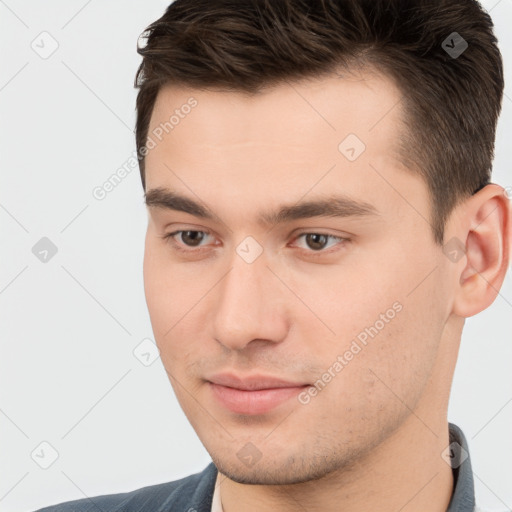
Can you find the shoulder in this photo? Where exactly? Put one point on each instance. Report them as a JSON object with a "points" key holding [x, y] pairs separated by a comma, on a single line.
{"points": [[192, 492]]}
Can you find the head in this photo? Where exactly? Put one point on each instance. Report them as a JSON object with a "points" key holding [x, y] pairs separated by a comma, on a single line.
{"points": [[320, 210]]}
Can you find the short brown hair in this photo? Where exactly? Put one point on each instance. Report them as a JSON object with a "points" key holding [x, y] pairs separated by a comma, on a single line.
{"points": [[451, 102]]}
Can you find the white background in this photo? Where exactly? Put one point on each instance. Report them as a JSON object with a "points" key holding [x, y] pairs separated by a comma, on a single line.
{"points": [[69, 326]]}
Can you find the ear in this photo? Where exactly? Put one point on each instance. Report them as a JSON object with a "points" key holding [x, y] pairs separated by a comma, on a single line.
{"points": [[484, 228]]}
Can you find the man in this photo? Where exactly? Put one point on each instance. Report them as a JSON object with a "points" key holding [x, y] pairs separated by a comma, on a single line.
{"points": [[321, 223]]}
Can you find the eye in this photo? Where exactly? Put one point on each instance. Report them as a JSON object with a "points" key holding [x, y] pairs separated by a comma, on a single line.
{"points": [[318, 241], [315, 242], [189, 237]]}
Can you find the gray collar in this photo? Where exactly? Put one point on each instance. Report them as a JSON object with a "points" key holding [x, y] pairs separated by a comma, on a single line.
{"points": [[463, 497]]}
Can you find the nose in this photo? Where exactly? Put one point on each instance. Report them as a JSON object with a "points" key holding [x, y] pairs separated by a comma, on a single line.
{"points": [[251, 306]]}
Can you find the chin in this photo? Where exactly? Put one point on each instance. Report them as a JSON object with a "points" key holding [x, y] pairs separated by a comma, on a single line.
{"points": [[274, 472]]}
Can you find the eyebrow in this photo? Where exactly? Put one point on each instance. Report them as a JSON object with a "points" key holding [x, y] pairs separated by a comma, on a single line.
{"points": [[330, 206]]}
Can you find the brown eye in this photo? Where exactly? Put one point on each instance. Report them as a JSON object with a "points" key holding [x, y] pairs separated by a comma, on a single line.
{"points": [[194, 237], [318, 245], [186, 240], [316, 241]]}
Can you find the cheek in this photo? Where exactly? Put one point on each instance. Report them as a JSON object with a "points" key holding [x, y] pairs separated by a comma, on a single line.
{"points": [[381, 378], [172, 293], [387, 327], [166, 287], [401, 357], [349, 300], [154, 285]]}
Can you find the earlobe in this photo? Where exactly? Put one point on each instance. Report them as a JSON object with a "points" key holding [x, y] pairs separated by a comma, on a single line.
{"points": [[486, 235]]}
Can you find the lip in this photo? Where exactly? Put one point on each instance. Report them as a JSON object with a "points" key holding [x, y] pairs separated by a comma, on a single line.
{"points": [[252, 395], [252, 382]]}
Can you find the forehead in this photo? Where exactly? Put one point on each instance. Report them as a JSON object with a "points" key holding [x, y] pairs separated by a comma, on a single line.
{"points": [[312, 135], [294, 117], [355, 101]]}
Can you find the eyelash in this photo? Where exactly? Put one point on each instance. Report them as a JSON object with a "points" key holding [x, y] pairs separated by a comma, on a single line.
{"points": [[169, 237]]}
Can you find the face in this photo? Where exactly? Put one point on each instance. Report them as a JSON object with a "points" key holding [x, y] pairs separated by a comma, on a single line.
{"points": [[286, 241]]}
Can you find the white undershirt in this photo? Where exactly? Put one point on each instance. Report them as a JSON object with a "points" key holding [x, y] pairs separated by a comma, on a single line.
{"points": [[216, 503]]}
